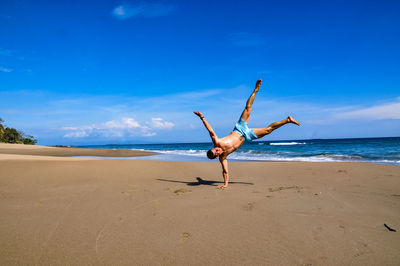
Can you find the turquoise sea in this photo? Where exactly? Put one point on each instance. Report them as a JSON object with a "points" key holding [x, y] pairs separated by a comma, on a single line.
{"points": [[375, 150]]}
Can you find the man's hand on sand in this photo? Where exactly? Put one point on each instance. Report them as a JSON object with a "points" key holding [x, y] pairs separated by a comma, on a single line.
{"points": [[198, 114]]}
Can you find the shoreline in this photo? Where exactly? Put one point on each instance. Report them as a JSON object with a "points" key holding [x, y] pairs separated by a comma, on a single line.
{"points": [[187, 158], [36, 150], [32, 152]]}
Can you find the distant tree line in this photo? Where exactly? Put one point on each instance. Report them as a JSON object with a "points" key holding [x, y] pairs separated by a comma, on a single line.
{"points": [[11, 135]]}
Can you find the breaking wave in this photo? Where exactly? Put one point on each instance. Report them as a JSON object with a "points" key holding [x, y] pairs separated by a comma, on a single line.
{"points": [[253, 155], [287, 143]]}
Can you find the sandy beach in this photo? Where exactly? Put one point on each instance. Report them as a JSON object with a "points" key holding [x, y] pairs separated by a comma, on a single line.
{"points": [[57, 210], [18, 149]]}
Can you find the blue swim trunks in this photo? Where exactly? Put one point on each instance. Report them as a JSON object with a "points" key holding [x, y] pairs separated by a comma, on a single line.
{"points": [[243, 129]]}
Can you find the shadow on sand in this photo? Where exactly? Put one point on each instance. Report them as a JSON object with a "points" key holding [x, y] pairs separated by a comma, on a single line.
{"points": [[201, 181]]}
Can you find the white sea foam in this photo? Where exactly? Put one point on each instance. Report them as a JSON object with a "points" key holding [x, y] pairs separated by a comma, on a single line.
{"points": [[197, 153], [287, 143], [252, 155], [256, 156]]}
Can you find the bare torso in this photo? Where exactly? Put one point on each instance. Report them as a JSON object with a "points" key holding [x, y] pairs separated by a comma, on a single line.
{"points": [[229, 144]]}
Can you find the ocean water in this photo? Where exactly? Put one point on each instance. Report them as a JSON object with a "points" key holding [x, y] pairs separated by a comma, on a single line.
{"points": [[376, 150]]}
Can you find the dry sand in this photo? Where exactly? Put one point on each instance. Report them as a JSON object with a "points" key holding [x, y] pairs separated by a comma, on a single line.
{"points": [[119, 212]]}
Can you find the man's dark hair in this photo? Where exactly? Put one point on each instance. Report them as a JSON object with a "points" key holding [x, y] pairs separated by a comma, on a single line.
{"points": [[210, 155]]}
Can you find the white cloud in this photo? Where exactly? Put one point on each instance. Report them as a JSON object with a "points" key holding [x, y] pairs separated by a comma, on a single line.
{"points": [[69, 128], [125, 123], [118, 128], [78, 134], [149, 134], [377, 112], [160, 124], [4, 69], [143, 9]]}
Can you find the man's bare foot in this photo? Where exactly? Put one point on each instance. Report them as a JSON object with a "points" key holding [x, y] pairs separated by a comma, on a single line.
{"points": [[258, 84], [292, 120], [222, 186]]}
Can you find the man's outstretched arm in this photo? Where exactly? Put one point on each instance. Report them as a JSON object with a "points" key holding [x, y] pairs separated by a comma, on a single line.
{"points": [[207, 125], [224, 164]]}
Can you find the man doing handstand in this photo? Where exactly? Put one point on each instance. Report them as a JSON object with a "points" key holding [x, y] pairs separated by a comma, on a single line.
{"points": [[225, 146]]}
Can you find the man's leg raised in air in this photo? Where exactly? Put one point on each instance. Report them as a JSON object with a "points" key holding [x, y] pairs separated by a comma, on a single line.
{"points": [[261, 132], [249, 103]]}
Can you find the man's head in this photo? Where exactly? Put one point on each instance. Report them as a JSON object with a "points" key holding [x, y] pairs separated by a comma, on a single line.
{"points": [[214, 153]]}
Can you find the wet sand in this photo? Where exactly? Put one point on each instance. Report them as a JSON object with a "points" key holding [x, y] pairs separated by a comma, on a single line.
{"points": [[70, 211], [19, 149]]}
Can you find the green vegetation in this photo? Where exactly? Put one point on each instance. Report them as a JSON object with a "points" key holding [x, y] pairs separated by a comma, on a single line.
{"points": [[11, 135]]}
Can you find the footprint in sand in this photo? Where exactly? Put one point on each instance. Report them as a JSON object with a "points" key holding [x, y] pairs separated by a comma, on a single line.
{"points": [[181, 191], [249, 206], [284, 188], [128, 192], [185, 236], [341, 226], [362, 249], [131, 190], [317, 233]]}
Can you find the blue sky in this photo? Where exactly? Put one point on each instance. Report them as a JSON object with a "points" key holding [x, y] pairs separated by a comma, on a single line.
{"points": [[132, 71]]}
